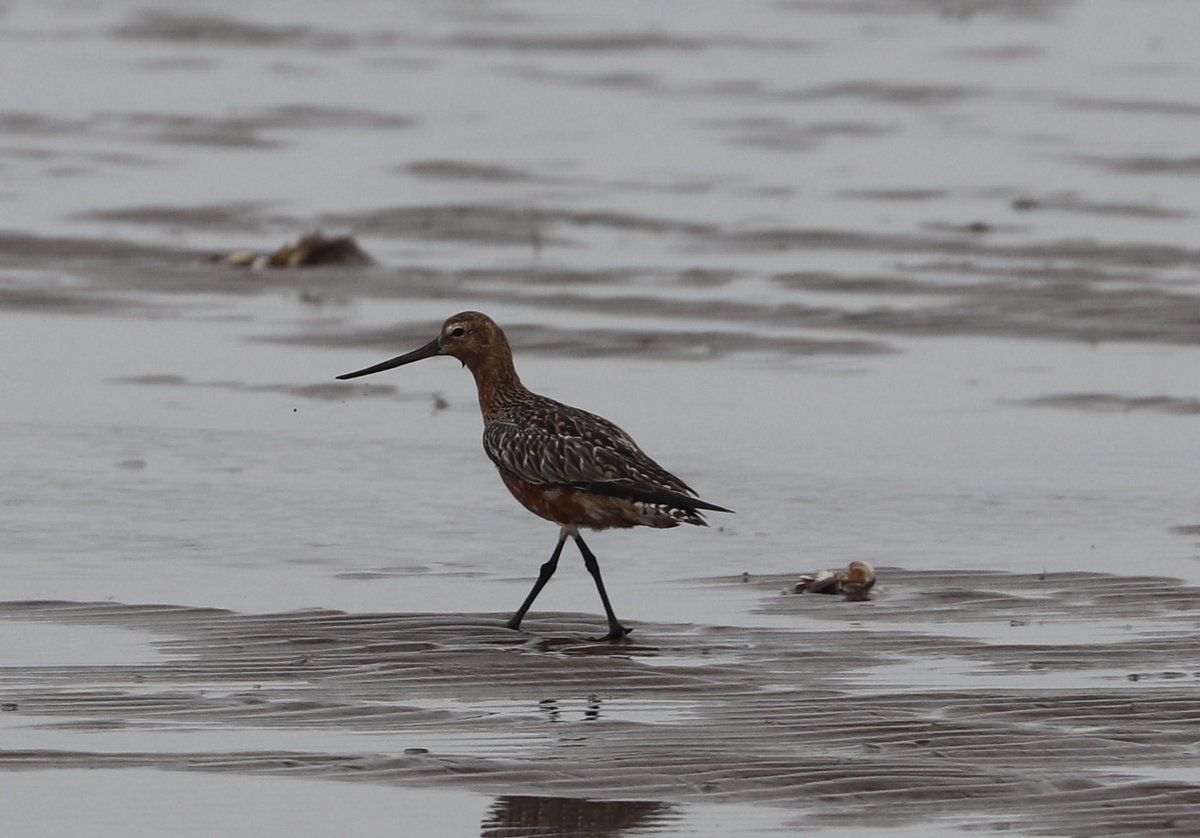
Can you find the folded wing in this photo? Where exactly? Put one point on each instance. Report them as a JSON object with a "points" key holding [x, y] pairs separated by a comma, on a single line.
{"points": [[570, 447]]}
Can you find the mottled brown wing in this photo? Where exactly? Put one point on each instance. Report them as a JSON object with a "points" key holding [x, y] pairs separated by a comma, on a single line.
{"points": [[569, 447]]}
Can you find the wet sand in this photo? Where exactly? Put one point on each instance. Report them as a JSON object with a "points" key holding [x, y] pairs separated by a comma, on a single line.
{"points": [[1058, 704], [905, 282]]}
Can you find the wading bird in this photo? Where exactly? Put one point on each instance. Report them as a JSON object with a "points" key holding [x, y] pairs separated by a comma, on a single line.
{"points": [[562, 463]]}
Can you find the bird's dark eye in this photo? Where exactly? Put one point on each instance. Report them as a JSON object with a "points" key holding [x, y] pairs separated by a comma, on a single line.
{"points": [[457, 332]]}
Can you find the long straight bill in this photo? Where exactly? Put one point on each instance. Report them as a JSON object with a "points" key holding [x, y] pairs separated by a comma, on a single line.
{"points": [[427, 351]]}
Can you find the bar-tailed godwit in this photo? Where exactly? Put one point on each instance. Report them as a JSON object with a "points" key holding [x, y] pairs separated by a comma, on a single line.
{"points": [[563, 464]]}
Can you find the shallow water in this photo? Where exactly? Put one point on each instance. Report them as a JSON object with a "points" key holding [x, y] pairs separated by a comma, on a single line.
{"points": [[877, 715], [908, 282]]}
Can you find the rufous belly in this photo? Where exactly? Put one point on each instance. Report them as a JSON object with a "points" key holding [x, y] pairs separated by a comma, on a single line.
{"points": [[564, 505]]}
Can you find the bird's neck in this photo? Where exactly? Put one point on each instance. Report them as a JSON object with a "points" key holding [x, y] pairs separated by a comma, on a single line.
{"points": [[498, 383]]}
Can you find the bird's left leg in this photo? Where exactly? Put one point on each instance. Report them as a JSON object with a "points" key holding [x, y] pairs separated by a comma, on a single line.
{"points": [[547, 570], [616, 631]]}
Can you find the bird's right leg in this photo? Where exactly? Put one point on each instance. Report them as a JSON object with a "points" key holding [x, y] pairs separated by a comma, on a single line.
{"points": [[616, 631], [544, 575]]}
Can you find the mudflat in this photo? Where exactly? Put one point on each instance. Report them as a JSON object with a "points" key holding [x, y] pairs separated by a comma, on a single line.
{"points": [[1058, 703], [900, 282]]}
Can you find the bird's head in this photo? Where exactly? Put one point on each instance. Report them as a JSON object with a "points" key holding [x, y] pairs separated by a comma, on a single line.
{"points": [[469, 336]]}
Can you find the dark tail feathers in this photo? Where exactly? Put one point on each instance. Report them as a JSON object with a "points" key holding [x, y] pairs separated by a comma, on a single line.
{"points": [[621, 489]]}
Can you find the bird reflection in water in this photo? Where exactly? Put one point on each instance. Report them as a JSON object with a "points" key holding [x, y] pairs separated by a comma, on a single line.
{"points": [[519, 816], [553, 711]]}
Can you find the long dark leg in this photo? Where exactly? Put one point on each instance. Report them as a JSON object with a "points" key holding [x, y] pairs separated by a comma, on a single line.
{"points": [[615, 630], [544, 575]]}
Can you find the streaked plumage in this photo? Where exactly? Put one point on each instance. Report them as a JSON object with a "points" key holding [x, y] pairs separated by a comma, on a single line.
{"points": [[563, 464], [548, 444]]}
